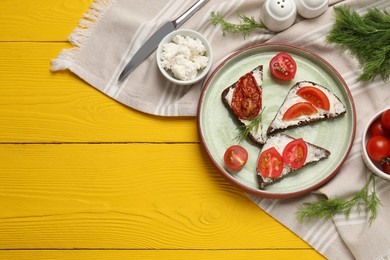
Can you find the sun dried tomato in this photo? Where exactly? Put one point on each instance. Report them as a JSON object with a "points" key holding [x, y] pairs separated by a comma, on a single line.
{"points": [[246, 102]]}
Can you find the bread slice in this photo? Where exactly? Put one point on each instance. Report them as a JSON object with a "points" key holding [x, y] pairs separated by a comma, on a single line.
{"points": [[280, 141], [255, 133], [337, 108]]}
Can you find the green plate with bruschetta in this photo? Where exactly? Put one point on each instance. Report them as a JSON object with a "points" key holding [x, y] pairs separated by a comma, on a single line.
{"points": [[218, 128]]}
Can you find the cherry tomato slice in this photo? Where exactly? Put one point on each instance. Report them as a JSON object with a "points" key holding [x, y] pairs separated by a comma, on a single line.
{"points": [[377, 128], [378, 147], [270, 163], [299, 109], [235, 157], [295, 153], [283, 66], [314, 96], [385, 119], [246, 101]]}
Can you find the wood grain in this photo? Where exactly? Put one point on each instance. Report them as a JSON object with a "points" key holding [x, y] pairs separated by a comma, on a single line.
{"points": [[84, 177], [41, 20], [39, 106], [280, 254], [114, 196]]}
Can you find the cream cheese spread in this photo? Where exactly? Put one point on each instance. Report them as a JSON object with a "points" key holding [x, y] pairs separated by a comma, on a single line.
{"points": [[256, 132], [280, 141], [336, 107]]}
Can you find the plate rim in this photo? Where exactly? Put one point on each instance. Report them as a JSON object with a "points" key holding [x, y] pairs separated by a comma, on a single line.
{"points": [[257, 192]]}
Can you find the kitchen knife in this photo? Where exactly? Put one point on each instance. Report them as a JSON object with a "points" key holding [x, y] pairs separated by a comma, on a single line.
{"points": [[151, 44]]}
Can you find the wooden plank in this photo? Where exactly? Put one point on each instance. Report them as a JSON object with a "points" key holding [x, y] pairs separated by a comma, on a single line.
{"points": [[281, 254], [40, 20], [39, 106], [126, 196], [113, 201]]}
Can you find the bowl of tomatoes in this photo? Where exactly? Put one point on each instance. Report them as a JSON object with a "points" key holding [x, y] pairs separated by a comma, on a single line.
{"points": [[376, 144]]}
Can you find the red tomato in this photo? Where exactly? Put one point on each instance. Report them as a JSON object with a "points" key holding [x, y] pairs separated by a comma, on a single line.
{"points": [[385, 119], [314, 96], [283, 66], [377, 128], [386, 166], [246, 101], [270, 163], [378, 147], [299, 109], [235, 157], [295, 153]]}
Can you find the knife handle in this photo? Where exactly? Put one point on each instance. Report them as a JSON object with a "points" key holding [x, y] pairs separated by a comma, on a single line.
{"points": [[187, 14]]}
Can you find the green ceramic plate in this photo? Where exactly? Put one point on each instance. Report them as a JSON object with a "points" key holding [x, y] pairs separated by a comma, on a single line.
{"points": [[218, 129]]}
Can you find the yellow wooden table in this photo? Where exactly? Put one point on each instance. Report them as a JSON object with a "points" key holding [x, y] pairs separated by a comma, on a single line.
{"points": [[84, 177]]}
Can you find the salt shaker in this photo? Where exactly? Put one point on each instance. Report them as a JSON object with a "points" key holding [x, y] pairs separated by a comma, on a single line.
{"points": [[278, 15], [311, 8]]}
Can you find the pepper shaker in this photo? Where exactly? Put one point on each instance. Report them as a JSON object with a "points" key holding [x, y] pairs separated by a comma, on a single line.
{"points": [[311, 8], [278, 15]]}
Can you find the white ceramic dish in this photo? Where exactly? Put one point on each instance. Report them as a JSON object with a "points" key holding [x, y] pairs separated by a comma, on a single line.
{"points": [[218, 130], [195, 35], [374, 167]]}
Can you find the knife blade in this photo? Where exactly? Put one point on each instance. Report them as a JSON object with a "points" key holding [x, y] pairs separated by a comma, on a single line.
{"points": [[151, 44]]}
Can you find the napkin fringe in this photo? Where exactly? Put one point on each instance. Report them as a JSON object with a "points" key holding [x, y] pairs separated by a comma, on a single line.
{"points": [[81, 34]]}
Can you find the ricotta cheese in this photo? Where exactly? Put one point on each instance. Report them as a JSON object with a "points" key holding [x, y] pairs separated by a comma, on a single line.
{"points": [[184, 56]]}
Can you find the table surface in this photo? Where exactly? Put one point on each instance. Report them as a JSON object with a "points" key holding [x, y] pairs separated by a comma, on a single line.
{"points": [[84, 177]]}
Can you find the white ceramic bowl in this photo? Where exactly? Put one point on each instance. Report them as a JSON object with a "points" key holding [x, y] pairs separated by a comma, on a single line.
{"points": [[278, 15], [311, 8], [373, 166], [200, 74]]}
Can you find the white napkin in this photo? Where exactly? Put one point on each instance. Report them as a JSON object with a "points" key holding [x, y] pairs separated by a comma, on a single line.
{"points": [[111, 32]]}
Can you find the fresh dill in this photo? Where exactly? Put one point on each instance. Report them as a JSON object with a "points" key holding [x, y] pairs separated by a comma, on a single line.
{"points": [[244, 130], [366, 37], [385, 160], [246, 26], [327, 208]]}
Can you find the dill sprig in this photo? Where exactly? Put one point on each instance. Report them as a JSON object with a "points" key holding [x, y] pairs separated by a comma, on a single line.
{"points": [[366, 37], [327, 208], [385, 160], [246, 26], [244, 130]]}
